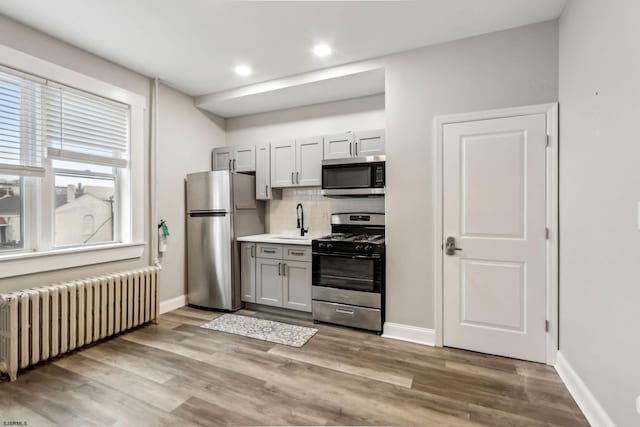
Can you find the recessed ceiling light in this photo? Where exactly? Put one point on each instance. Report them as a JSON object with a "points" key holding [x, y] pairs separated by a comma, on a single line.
{"points": [[322, 50], [243, 70]]}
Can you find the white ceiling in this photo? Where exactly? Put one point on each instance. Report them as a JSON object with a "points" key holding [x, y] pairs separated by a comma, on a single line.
{"points": [[194, 45]]}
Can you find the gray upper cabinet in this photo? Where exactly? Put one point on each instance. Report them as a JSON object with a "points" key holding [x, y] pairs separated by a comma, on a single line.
{"points": [[309, 161], [283, 163], [263, 172], [338, 146], [236, 158], [369, 143], [296, 163], [244, 159], [222, 158]]}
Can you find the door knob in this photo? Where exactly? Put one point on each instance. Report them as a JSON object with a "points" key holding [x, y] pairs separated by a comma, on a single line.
{"points": [[450, 246]]}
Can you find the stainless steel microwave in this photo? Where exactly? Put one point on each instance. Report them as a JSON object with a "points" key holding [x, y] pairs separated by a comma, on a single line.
{"points": [[354, 176]]}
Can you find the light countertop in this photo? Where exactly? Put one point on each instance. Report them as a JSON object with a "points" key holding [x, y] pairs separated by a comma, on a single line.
{"points": [[281, 239]]}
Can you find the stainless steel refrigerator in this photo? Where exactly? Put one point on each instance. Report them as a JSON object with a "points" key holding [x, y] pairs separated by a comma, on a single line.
{"points": [[221, 206]]}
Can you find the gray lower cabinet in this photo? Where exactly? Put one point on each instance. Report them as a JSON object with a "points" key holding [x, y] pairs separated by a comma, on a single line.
{"points": [[277, 275], [297, 285], [248, 271], [269, 281]]}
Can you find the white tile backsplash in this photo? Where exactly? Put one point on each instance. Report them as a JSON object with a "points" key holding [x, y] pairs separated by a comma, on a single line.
{"points": [[281, 214]]}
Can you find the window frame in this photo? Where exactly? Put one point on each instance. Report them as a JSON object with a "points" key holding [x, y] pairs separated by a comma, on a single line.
{"points": [[38, 210]]}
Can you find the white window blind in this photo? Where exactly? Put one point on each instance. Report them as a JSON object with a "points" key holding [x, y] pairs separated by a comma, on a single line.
{"points": [[21, 134], [85, 128]]}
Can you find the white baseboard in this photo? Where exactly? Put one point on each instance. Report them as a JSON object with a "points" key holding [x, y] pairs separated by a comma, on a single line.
{"points": [[414, 334], [589, 405], [172, 304]]}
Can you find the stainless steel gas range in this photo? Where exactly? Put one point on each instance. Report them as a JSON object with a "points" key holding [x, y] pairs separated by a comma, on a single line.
{"points": [[348, 272]]}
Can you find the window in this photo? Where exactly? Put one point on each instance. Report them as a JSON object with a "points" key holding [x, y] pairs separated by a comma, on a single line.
{"points": [[62, 155], [11, 208], [85, 204]]}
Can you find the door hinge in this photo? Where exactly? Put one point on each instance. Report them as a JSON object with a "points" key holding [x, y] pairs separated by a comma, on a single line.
{"points": [[547, 233], [546, 326]]}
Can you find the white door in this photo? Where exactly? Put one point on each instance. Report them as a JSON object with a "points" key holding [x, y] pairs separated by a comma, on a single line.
{"points": [[494, 207], [309, 161], [222, 159], [263, 172], [369, 143], [269, 282], [338, 146], [283, 163], [244, 159]]}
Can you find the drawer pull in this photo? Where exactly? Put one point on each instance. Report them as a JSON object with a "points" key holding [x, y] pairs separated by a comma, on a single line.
{"points": [[342, 311], [296, 253], [269, 251]]}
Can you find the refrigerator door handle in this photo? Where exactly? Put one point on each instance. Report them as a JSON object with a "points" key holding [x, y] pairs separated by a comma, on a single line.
{"points": [[200, 214]]}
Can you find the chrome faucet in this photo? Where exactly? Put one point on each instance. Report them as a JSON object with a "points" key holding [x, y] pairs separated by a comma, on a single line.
{"points": [[300, 213]]}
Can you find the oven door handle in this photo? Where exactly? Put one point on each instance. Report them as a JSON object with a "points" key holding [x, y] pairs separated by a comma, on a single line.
{"points": [[342, 255]]}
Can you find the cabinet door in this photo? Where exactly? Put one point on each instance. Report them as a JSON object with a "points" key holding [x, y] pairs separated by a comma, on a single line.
{"points": [[263, 172], [338, 146], [297, 285], [244, 159], [283, 163], [369, 143], [309, 161], [268, 282], [248, 271], [222, 158]]}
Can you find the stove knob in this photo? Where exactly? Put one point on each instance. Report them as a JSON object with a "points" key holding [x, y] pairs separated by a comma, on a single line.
{"points": [[321, 245], [368, 248], [359, 247], [329, 245]]}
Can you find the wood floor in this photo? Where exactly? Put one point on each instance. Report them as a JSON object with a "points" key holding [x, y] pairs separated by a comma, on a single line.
{"points": [[177, 373]]}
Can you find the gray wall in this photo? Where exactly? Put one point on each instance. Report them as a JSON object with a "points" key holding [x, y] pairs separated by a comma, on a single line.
{"points": [[599, 194], [186, 136], [20, 37], [509, 68]]}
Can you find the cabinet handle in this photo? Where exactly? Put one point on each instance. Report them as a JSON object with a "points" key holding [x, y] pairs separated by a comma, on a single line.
{"points": [[339, 310], [297, 177], [356, 147], [296, 253], [230, 164], [279, 269], [266, 191], [285, 267], [269, 251], [234, 164], [350, 151], [253, 251], [292, 176]]}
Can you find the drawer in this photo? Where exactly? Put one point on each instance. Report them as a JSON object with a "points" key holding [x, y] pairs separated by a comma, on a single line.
{"points": [[297, 253], [345, 296], [268, 251], [348, 315]]}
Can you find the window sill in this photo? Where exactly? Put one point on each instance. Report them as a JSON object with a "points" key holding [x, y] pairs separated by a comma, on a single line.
{"points": [[36, 262]]}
